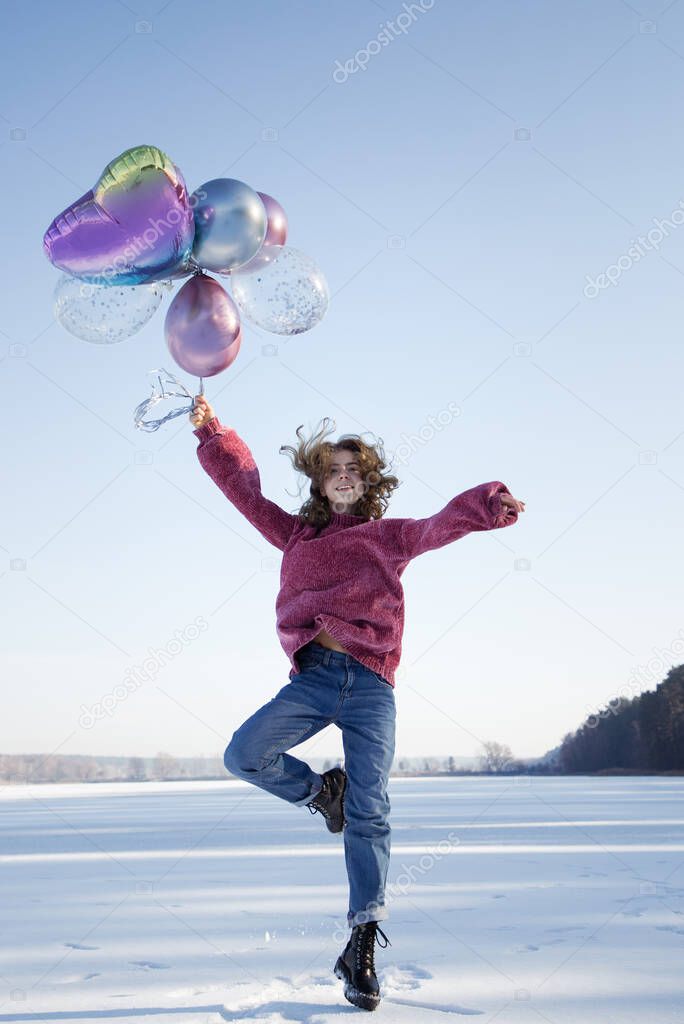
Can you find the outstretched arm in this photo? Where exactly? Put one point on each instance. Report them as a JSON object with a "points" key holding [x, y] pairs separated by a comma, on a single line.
{"points": [[485, 507], [229, 462]]}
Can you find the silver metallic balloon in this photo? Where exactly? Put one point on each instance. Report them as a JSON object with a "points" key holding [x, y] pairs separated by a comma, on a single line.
{"points": [[230, 224]]}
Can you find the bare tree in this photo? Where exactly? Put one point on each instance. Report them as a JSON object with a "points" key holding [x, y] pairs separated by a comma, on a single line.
{"points": [[496, 757], [85, 770], [165, 765], [136, 769]]}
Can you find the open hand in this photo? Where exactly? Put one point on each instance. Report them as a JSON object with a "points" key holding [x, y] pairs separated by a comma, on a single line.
{"points": [[201, 413]]}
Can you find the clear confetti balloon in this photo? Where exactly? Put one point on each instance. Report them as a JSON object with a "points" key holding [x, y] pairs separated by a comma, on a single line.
{"points": [[289, 295], [105, 314]]}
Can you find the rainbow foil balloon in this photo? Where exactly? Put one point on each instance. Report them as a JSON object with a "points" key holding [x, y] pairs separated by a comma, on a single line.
{"points": [[134, 226]]}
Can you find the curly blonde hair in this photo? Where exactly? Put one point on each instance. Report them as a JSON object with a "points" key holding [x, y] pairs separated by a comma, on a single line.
{"points": [[314, 457]]}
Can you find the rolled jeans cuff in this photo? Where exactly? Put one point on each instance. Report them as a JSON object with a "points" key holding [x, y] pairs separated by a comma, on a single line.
{"points": [[364, 916], [314, 792]]}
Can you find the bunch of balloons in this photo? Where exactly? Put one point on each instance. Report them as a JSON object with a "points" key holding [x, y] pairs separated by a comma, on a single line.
{"points": [[137, 231]]}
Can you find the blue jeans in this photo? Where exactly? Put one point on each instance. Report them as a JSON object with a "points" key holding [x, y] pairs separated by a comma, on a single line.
{"points": [[331, 687]]}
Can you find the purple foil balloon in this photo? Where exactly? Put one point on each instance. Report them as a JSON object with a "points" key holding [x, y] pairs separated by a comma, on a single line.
{"points": [[202, 327], [134, 226], [276, 233]]}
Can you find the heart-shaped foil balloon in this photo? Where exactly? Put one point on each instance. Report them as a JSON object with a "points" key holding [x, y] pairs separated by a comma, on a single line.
{"points": [[135, 226]]}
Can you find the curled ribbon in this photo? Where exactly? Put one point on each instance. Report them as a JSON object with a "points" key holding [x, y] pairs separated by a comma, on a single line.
{"points": [[166, 386]]}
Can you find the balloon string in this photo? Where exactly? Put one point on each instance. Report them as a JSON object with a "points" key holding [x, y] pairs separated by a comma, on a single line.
{"points": [[176, 390]]}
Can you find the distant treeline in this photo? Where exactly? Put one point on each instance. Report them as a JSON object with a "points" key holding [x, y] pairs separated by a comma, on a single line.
{"points": [[644, 733], [35, 768], [20, 769]]}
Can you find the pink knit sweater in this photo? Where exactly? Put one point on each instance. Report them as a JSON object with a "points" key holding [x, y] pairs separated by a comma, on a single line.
{"points": [[346, 579]]}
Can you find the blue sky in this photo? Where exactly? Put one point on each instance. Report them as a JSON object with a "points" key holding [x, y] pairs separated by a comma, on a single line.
{"points": [[459, 192]]}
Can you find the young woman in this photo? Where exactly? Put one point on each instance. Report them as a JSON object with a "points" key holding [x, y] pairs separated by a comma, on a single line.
{"points": [[339, 618]]}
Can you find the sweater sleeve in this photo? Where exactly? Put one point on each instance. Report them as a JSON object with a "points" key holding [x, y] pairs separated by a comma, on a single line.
{"points": [[479, 508], [228, 461]]}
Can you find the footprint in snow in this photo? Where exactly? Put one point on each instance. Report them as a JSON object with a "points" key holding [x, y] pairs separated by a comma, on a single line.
{"points": [[321, 979], [73, 979], [568, 928], [149, 965], [669, 928], [403, 977]]}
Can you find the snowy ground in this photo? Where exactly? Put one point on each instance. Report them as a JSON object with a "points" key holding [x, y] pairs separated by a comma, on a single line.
{"points": [[515, 900]]}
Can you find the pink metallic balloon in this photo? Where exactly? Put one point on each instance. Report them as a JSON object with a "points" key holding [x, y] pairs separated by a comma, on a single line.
{"points": [[202, 327], [276, 230], [276, 233]]}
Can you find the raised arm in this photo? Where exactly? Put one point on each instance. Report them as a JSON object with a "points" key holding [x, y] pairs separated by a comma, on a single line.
{"points": [[479, 508], [229, 462]]}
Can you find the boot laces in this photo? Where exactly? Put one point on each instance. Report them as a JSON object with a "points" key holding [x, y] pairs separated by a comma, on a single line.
{"points": [[365, 947], [313, 808], [318, 802]]}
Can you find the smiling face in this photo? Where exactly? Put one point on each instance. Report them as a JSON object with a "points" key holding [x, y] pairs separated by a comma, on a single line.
{"points": [[343, 485]]}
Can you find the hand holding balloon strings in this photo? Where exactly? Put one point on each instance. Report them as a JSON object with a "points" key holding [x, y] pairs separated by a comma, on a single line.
{"points": [[177, 389], [202, 412]]}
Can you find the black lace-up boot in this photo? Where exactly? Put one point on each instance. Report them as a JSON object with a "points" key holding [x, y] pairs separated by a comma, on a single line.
{"points": [[356, 968], [330, 800]]}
